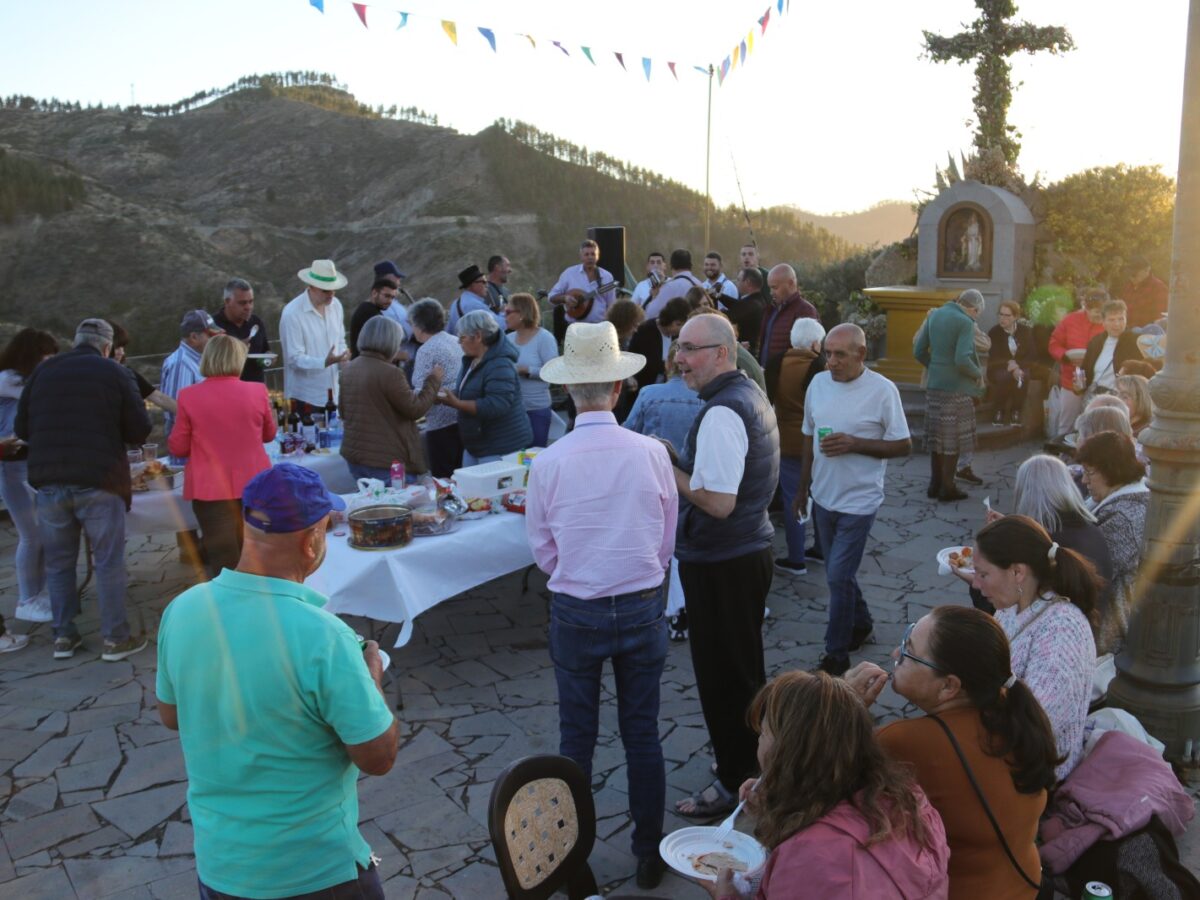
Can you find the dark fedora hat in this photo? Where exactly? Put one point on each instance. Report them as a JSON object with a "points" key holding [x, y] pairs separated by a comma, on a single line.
{"points": [[469, 276]]}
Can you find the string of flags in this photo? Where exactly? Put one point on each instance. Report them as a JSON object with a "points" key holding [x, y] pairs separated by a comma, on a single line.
{"points": [[738, 55]]}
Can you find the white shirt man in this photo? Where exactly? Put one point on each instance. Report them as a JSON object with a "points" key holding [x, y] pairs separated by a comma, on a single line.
{"points": [[312, 333], [643, 293], [584, 283], [715, 282], [681, 281]]}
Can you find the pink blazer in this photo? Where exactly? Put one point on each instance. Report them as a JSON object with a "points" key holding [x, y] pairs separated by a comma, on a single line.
{"points": [[221, 426]]}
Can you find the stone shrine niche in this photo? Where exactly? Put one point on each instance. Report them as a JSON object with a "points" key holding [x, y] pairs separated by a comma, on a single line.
{"points": [[965, 242]]}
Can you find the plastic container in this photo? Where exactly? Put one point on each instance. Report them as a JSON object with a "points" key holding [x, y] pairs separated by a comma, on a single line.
{"points": [[489, 480]]}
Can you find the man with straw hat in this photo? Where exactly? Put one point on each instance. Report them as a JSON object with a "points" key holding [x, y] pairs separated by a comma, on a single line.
{"points": [[600, 514], [312, 332]]}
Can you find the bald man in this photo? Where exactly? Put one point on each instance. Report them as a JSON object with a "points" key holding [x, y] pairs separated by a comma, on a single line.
{"points": [[787, 305], [858, 420], [726, 475]]}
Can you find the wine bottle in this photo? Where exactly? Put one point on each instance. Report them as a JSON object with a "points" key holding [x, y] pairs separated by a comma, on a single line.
{"points": [[330, 409]]}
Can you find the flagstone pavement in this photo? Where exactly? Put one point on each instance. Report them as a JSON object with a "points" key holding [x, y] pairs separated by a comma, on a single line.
{"points": [[93, 787]]}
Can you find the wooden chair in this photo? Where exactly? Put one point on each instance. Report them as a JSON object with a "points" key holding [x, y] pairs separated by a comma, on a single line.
{"points": [[543, 824]]}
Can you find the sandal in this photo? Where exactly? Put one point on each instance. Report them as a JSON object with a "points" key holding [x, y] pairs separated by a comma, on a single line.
{"points": [[711, 803]]}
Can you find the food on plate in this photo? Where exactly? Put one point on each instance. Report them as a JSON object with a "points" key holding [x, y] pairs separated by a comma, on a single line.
{"points": [[141, 474], [514, 501], [479, 504], [711, 863], [962, 559]]}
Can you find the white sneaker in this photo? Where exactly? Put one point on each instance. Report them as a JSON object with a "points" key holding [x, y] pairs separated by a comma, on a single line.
{"points": [[35, 609], [10, 642]]}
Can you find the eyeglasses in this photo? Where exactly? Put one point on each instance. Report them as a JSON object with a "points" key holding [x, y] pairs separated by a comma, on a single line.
{"points": [[904, 654], [479, 281], [692, 348]]}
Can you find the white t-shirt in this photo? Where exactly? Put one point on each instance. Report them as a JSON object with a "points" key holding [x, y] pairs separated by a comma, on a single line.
{"points": [[867, 407], [1102, 371], [721, 448]]}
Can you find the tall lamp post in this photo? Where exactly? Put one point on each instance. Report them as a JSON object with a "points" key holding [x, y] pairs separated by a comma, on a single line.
{"points": [[1158, 675]]}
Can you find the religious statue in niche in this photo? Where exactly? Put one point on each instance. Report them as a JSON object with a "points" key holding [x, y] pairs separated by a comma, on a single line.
{"points": [[965, 243]]}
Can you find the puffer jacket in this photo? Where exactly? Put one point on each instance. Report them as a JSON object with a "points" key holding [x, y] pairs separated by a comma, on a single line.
{"points": [[500, 424], [380, 410]]}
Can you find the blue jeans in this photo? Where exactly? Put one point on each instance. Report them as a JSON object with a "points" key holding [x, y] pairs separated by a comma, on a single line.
{"points": [[843, 537], [357, 472], [19, 499], [789, 482], [631, 630], [365, 887], [64, 511], [539, 421]]}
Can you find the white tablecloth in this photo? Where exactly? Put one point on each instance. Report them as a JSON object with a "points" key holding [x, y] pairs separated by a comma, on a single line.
{"points": [[159, 512], [399, 585]]}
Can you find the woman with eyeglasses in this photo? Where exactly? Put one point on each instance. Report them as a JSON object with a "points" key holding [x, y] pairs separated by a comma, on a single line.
{"points": [[535, 347], [984, 739]]}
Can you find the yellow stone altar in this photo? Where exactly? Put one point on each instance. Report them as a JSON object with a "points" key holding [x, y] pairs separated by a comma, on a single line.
{"points": [[906, 308]]}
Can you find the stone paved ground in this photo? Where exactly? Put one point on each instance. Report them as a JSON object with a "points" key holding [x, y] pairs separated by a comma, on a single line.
{"points": [[93, 787]]}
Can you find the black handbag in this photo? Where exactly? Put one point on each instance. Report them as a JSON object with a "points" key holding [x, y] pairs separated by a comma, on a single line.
{"points": [[1045, 890]]}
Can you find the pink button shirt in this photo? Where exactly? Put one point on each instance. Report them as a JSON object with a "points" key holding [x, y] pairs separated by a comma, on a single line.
{"points": [[600, 510]]}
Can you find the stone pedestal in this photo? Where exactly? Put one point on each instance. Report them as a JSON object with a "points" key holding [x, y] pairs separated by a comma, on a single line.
{"points": [[906, 308]]}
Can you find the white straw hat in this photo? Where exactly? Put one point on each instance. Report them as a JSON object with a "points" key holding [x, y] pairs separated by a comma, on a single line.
{"points": [[323, 274], [592, 354]]}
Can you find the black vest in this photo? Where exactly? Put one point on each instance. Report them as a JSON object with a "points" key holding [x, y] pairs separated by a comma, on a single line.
{"points": [[703, 538]]}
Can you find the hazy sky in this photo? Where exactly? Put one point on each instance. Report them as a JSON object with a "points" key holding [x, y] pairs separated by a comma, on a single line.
{"points": [[833, 111]]}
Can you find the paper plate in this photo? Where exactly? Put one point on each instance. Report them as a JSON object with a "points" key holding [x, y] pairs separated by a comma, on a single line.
{"points": [[943, 558], [680, 849], [1076, 355]]}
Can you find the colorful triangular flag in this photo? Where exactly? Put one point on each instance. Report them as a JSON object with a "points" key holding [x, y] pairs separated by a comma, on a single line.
{"points": [[561, 47], [532, 42], [750, 41], [646, 66], [765, 19], [702, 70], [781, 7], [319, 4], [671, 66], [587, 51], [451, 31], [743, 53], [620, 59], [361, 9], [734, 58], [489, 36], [723, 71], [403, 20]]}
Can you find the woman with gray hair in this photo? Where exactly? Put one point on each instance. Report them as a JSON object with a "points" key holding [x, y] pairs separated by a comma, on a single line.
{"points": [[427, 318], [946, 348], [491, 411], [378, 407]]}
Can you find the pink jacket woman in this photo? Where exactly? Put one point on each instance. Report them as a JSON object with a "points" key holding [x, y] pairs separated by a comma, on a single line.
{"points": [[221, 427]]}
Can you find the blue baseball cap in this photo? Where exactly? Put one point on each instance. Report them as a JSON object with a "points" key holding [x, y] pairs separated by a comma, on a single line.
{"points": [[287, 498], [387, 267]]}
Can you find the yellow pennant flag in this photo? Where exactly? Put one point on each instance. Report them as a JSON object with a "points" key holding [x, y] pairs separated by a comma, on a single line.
{"points": [[451, 31], [750, 42], [734, 57]]}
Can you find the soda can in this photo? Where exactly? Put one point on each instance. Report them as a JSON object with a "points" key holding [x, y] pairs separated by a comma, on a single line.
{"points": [[1097, 890], [823, 433]]}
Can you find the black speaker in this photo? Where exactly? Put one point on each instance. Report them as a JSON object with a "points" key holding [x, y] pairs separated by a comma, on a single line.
{"points": [[611, 239]]}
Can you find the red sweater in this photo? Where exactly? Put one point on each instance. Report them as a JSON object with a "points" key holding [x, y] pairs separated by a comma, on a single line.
{"points": [[1072, 333]]}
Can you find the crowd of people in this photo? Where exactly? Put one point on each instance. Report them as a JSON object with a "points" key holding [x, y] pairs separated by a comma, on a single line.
{"points": [[696, 407]]}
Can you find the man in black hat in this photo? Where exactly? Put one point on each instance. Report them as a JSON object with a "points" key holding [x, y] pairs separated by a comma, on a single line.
{"points": [[473, 284]]}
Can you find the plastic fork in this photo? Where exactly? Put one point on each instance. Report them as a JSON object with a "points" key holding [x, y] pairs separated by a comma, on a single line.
{"points": [[726, 827]]}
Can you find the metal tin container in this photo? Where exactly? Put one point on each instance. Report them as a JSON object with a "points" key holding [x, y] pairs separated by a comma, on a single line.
{"points": [[380, 527]]}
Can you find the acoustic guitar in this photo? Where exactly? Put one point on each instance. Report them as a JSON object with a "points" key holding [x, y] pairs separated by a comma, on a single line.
{"points": [[579, 309]]}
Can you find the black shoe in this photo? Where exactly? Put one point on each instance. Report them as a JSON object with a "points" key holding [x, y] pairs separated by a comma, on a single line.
{"points": [[860, 636], [965, 474], [650, 871], [677, 627], [834, 665], [814, 554], [998, 418], [787, 567]]}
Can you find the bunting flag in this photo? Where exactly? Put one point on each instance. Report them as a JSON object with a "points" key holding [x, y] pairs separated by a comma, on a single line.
{"points": [[403, 20], [671, 66], [750, 40], [451, 31], [532, 42], [489, 36], [734, 59], [781, 7], [319, 4], [724, 70], [620, 59], [702, 70], [646, 66], [587, 51], [361, 9], [743, 53], [765, 19], [561, 47]]}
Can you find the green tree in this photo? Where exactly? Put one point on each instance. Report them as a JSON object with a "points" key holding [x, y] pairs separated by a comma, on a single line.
{"points": [[991, 40]]}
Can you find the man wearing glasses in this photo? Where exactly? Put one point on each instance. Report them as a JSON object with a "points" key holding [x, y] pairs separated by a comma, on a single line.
{"points": [[472, 284], [853, 423], [725, 475]]}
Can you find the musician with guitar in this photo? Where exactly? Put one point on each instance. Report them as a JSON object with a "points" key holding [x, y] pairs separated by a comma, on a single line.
{"points": [[583, 292]]}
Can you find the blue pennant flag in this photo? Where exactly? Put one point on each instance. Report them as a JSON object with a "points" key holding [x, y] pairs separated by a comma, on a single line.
{"points": [[403, 20], [319, 4], [646, 66], [490, 36]]}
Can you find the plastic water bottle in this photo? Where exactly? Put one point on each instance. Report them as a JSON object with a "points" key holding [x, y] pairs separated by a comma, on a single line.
{"points": [[397, 474]]}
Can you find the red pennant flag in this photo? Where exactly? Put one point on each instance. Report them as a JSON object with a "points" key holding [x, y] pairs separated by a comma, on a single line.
{"points": [[361, 9], [765, 19], [671, 66]]}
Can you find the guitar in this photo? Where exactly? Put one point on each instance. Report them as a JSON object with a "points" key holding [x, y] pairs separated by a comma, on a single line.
{"points": [[578, 309]]}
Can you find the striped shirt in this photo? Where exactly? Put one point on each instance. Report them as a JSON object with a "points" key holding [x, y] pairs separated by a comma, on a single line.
{"points": [[179, 370]]}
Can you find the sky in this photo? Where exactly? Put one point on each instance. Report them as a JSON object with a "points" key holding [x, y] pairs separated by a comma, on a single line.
{"points": [[833, 111]]}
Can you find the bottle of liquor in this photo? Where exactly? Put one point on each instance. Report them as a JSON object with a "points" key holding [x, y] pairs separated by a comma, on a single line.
{"points": [[330, 409], [308, 429], [293, 420]]}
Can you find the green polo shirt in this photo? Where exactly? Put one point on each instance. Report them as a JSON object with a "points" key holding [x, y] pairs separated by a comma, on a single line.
{"points": [[269, 689]]}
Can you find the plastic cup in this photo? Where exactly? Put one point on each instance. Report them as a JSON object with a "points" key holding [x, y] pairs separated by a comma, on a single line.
{"points": [[134, 456], [149, 452]]}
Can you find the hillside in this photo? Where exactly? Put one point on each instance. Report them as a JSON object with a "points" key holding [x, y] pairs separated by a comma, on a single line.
{"points": [[882, 224], [260, 182]]}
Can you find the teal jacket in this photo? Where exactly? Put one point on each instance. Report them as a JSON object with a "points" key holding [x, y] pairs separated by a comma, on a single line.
{"points": [[946, 347]]}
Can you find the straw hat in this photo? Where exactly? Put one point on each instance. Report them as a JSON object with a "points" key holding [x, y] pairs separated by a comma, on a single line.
{"points": [[323, 274], [592, 353]]}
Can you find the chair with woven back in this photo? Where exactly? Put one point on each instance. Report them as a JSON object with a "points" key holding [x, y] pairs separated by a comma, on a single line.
{"points": [[542, 821]]}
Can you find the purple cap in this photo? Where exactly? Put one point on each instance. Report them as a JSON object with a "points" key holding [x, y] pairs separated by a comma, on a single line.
{"points": [[386, 268], [287, 498], [198, 320]]}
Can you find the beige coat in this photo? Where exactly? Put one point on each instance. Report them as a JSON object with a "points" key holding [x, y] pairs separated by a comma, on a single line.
{"points": [[380, 411], [789, 400]]}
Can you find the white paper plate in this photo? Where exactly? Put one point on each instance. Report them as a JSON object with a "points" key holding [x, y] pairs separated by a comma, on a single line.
{"points": [[679, 848], [943, 558], [1076, 355]]}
